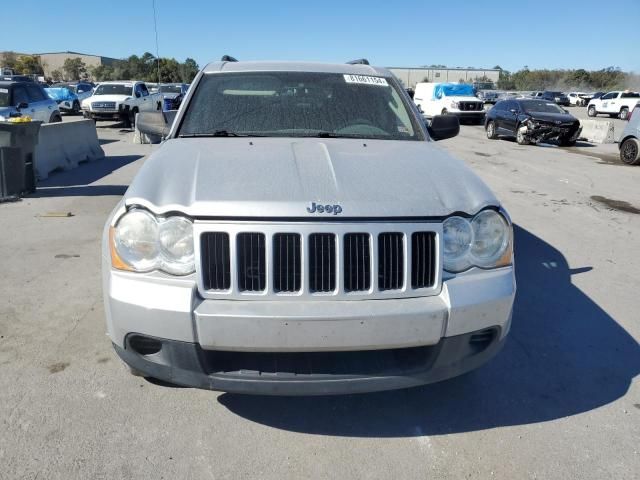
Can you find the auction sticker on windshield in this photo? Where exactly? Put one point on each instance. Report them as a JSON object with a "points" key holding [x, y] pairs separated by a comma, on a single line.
{"points": [[366, 80]]}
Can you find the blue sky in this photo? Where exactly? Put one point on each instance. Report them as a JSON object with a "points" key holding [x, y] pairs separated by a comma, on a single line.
{"points": [[561, 34]]}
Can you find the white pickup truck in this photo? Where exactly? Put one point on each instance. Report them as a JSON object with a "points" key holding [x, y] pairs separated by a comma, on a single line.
{"points": [[120, 100], [615, 104]]}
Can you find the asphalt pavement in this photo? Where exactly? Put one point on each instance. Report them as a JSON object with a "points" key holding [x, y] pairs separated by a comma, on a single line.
{"points": [[561, 401]]}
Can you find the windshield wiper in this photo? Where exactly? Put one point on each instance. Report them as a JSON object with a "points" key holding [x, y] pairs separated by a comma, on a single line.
{"points": [[217, 133], [328, 135]]}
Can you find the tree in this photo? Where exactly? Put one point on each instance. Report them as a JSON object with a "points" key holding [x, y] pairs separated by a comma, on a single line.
{"points": [[9, 60], [28, 64], [56, 75], [189, 69], [74, 68]]}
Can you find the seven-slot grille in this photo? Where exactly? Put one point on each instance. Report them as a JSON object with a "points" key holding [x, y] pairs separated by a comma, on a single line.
{"points": [[278, 261]]}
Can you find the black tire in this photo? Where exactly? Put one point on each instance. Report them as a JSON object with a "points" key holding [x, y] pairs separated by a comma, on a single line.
{"points": [[630, 151], [491, 130], [566, 142], [520, 138], [76, 107], [624, 113], [444, 112], [55, 118], [592, 112]]}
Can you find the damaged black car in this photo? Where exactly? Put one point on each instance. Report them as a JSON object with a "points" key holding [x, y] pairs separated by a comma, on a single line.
{"points": [[532, 121]]}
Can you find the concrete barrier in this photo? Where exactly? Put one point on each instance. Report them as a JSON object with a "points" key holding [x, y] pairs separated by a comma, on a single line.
{"points": [[65, 145], [597, 131]]}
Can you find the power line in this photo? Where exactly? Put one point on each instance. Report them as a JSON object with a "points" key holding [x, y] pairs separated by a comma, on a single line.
{"points": [[155, 27]]}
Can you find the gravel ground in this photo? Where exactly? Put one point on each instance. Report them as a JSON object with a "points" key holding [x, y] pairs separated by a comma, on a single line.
{"points": [[561, 401]]}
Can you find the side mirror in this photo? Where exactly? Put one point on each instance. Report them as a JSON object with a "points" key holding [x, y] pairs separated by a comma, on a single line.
{"points": [[22, 105], [153, 123], [443, 127]]}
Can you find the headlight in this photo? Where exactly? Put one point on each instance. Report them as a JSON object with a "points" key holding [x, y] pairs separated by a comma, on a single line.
{"points": [[455, 104], [136, 240], [458, 236], [140, 242], [176, 245], [485, 242]]}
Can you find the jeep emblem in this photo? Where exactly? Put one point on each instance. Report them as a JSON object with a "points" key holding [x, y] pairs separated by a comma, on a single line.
{"points": [[317, 208]]}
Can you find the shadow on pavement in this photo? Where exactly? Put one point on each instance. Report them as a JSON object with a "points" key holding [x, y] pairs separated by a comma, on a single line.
{"points": [[565, 355], [78, 181]]}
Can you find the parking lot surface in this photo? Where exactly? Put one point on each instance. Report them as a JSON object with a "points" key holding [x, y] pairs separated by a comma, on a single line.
{"points": [[562, 400]]}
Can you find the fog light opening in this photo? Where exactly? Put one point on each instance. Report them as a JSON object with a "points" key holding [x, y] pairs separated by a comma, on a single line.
{"points": [[145, 345], [481, 340]]}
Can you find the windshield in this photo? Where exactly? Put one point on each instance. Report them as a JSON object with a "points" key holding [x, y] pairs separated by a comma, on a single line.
{"points": [[4, 97], [114, 89], [170, 88], [540, 106], [298, 104]]}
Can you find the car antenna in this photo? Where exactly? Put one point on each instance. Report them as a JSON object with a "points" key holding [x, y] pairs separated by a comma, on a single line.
{"points": [[360, 61], [228, 58]]}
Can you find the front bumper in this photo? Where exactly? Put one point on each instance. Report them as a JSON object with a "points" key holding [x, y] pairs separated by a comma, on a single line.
{"points": [[187, 364], [192, 328], [470, 115], [121, 114]]}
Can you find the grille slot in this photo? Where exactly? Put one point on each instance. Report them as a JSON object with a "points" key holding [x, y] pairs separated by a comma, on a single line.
{"points": [[390, 261], [286, 262], [322, 262], [251, 262], [423, 259], [216, 272], [357, 262]]}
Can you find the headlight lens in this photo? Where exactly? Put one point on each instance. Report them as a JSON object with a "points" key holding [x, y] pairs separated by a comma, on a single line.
{"points": [[483, 242], [140, 242], [458, 236], [136, 240], [176, 245], [455, 104], [491, 237]]}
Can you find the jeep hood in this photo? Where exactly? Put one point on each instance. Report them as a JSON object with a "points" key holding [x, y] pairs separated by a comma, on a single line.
{"points": [[234, 177]]}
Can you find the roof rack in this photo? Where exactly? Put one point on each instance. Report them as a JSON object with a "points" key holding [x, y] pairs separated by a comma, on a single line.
{"points": [[360, 61], [228, 58]]}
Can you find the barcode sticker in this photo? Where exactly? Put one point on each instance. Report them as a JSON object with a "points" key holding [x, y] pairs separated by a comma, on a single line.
{"points": [[366, 80]]}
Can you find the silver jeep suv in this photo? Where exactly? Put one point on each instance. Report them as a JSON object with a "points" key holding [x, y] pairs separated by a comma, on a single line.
{"points": [[299, 232]]}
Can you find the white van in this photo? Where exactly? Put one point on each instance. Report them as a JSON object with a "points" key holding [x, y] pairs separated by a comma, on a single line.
{"points": [[449, 99]]}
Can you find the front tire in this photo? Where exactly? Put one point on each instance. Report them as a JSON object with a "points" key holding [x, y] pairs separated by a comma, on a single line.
{"points": [[624, 113], [55, 118], [444, 112], [76, 108], [630, 151], [491, 130], [520, 138], [592, 111], [566, 142]]}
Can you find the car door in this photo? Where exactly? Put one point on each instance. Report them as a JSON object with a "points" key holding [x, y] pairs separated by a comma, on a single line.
{"points": [[20, 96], [605, 103], [40, 106], [510, 118], [146, 102]]}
